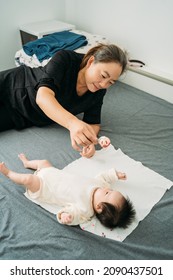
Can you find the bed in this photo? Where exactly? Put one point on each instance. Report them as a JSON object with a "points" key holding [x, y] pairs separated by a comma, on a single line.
{"points": [[141, 125]]}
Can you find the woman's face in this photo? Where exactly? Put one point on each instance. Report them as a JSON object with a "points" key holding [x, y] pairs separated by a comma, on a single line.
{"points": [[101, 75]]}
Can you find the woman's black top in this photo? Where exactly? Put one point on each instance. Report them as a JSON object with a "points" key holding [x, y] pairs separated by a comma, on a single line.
{"points": [[18, 89]]}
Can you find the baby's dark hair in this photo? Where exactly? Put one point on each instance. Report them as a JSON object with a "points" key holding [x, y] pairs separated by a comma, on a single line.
{"points": [[112, 216]]}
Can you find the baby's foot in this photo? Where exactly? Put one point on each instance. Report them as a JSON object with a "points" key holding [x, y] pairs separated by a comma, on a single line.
{"points": [[104, 141], [24, 160], [3, 169]]}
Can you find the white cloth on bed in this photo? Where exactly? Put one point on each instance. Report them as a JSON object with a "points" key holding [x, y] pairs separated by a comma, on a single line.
{"points": [[143, 186]]}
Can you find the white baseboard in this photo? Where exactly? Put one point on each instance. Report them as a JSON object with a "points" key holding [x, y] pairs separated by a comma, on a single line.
{"points": [[149, 85]]}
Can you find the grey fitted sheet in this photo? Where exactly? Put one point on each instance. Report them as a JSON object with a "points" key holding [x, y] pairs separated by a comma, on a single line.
{"points": [[138, 123]]}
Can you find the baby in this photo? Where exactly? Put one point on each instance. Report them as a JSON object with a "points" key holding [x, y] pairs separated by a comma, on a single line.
{"points": [[78, 197]]}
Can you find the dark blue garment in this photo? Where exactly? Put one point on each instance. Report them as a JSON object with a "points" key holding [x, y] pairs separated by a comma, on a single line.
{"points": [[47, 46]]}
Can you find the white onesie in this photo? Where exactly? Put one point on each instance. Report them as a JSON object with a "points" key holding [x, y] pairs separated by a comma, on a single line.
{"points": [[72, 193]]}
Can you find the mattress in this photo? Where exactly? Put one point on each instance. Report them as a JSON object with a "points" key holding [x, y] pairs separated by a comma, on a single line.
{"points": [[139, 124]]}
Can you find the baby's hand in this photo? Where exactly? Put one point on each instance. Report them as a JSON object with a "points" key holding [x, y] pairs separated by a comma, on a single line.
{"points": [[121, 175], [66, 218], [104, 141]]}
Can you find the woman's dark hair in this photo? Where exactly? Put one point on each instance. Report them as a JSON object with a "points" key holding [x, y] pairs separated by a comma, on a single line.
{"points": [[106, 53], [112, 216]]}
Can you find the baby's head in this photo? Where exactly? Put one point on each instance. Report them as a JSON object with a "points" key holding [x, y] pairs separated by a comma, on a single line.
{"points": [[112, 208]]}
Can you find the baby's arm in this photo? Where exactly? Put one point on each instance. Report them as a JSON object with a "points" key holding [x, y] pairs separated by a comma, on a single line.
{"points": [[110, 176], [70, 215]]}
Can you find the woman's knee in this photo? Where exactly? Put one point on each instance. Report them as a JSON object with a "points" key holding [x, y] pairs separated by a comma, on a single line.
{"points": [[6, 122]]}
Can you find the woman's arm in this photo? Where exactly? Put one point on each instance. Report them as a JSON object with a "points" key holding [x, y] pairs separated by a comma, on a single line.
{"points": [[96, 128], [81, 133]]}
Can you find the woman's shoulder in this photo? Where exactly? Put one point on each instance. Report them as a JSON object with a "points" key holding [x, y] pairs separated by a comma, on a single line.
{"points": [[67, 55]]}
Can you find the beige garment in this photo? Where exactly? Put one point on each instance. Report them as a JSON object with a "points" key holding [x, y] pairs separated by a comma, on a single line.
{"points": [[73, 193]]}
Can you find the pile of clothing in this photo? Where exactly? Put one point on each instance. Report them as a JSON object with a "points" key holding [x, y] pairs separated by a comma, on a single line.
{"points": [[47, 46]]}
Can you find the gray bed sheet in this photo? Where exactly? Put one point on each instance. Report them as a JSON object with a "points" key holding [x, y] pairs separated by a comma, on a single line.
{"points": [[138, 123]]}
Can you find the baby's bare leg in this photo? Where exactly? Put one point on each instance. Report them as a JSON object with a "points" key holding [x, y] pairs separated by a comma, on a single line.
{"points": [[30, 181], [34, 164]]}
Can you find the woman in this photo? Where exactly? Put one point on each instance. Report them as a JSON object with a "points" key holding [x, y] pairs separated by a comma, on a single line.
{"points": [[68, 85]]}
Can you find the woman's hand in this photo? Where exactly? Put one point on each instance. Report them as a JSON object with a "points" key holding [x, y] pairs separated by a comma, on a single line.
{"points": [[82, 135], [88, 151]]}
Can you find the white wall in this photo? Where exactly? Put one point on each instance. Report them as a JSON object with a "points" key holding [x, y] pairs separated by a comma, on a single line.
{"points": [[18, 12], [143, 27]]}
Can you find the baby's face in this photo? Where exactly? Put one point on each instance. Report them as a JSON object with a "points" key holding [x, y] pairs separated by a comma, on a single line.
{"points": [[107, 195]]}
